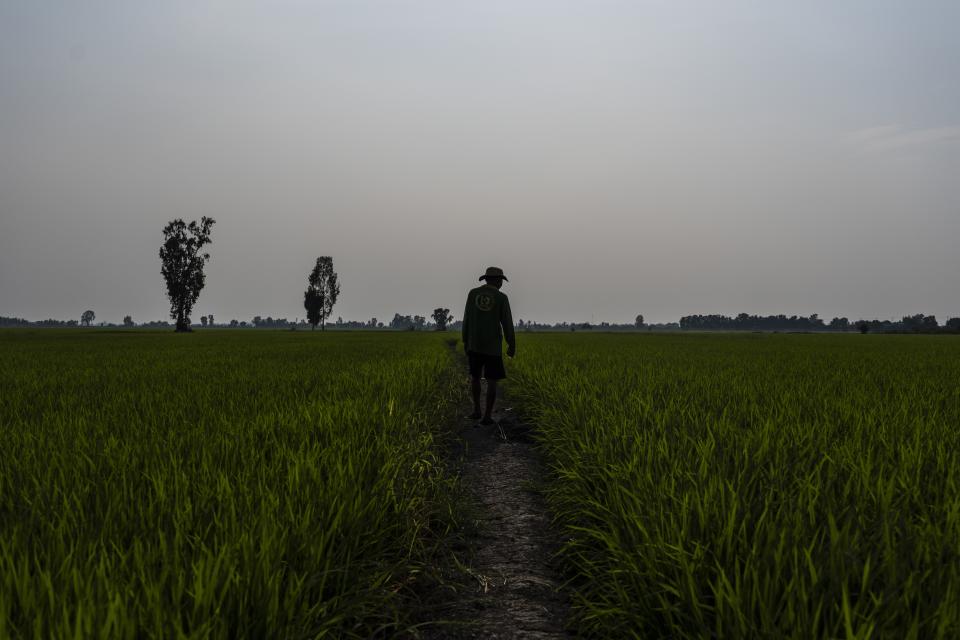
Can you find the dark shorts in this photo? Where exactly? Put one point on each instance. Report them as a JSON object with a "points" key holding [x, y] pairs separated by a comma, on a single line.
{"points": [[486, 366]]}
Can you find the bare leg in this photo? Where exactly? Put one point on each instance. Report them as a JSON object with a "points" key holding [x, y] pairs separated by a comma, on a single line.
{"points": [[475, 389], [491, 398]]}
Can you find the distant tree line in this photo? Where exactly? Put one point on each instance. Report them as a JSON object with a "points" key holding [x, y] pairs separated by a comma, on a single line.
{"points": [[51, 323], [22, 322], [443, 321], [638, 325], [156, 324], [408, 323], [747, 322], [270, 323], [399, 323], [918, 323]]}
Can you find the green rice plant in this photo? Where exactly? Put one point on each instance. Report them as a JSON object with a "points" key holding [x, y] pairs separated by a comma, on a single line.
{"points": [[752, 486], [219, 484]]}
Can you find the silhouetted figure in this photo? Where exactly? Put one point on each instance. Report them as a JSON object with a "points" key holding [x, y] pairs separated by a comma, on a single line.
{"points": [[486, 322]]}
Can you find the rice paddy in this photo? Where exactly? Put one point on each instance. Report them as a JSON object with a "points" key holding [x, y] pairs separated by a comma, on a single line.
{"points": [[291, 484], [219, 484], [753, 486]]}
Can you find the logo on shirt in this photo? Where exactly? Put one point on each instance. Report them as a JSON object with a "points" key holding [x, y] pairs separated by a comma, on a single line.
{"points": [[484, 301]]}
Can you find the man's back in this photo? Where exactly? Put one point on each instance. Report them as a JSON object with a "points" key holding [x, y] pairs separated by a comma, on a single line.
{"points": [[487, 320]]}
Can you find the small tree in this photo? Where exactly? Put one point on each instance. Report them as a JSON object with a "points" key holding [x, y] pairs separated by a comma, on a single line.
{"points": [[322, 292], [639, 321], [87, 318], [128, 321], [863, 326], [183, 265], [442, 317], [203, 320]]}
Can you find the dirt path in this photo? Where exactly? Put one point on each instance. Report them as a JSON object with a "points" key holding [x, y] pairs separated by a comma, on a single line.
{"points": [[513, 588]]}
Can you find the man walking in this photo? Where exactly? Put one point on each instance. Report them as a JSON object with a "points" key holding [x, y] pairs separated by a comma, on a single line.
{"points": [[486, 322]]}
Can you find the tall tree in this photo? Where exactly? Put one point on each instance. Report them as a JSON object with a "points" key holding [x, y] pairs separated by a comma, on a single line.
{"points": [[322, 292], [128, 321], [638, 322], [88, 317], [183, 265], [442, 317]]}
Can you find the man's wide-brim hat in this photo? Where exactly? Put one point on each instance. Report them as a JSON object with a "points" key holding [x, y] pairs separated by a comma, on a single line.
{"points": [[493, 272]]}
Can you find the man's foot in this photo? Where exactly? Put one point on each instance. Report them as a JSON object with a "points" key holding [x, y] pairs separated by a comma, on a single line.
{"points": [[487, 420], [475, 415]]}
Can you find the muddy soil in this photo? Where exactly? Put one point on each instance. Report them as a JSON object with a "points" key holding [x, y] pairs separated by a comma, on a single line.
{"points": [[507, 586]]}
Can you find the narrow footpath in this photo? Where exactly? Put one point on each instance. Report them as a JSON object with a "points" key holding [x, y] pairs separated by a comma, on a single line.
{"points": [[513, 589]]}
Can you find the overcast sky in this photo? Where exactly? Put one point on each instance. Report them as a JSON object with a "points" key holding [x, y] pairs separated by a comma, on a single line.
{"points": [[614, 158]]}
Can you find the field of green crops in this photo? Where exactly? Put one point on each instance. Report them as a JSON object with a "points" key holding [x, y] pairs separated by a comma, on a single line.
{"points": [[219, 484], [753, 486], [290, 484]]}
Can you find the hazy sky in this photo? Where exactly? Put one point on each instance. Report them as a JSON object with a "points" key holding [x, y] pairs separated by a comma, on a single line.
{"points": [[614, 158]]}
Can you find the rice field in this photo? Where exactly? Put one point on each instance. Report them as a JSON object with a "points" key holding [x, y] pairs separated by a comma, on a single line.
{"points": [[219, 484], [291, 484], [752, 486]]}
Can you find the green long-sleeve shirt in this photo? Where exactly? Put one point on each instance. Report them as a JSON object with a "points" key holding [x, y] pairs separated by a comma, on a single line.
{"points": [[487, 321]]}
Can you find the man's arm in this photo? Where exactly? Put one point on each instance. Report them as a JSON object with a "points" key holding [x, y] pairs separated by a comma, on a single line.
{"points": [[506, 321], [463, 325]]}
